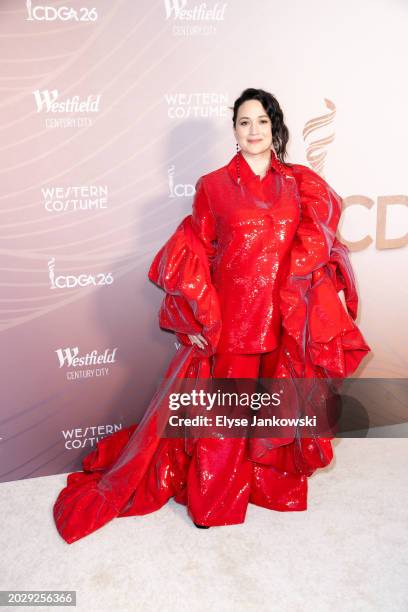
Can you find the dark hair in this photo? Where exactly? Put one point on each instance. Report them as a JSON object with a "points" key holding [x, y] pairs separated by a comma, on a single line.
{"points": [[280, 133]]}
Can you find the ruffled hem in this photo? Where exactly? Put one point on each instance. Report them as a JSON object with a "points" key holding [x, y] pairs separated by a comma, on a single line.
{"points": [[87, 502]]}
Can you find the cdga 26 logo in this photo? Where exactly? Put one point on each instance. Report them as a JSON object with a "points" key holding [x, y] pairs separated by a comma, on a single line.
{"points": [[63, 13]]}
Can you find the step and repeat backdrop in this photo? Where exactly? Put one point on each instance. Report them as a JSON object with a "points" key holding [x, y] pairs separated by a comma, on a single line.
{"points": [[110, 112]]}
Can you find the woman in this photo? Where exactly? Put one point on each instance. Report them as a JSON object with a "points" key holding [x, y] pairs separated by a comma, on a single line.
{"points": [[252, 280]]}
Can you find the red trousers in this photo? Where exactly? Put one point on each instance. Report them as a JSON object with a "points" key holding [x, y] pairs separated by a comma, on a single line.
{"points": [[218, 479], [222, 480], [257, 365]]}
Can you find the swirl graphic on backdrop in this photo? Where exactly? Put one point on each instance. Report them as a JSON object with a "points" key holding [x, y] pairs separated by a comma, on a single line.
{"points": [[316, 151]]}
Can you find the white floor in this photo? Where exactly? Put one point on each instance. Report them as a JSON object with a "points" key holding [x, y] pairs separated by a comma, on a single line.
{"points": [[348, 552]]}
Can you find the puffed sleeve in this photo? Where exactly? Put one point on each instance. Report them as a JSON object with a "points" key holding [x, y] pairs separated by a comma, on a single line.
{"points": [[203, 221], [182, 268], [320, 337]]}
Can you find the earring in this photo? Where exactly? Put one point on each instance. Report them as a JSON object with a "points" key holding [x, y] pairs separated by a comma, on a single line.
{"points": [[237, 161]]}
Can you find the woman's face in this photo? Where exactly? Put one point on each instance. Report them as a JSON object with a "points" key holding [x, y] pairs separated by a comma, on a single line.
{"points": [[253, 129]]}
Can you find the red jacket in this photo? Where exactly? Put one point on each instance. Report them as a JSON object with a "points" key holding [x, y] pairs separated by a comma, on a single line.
{"points": [[257, 265]]}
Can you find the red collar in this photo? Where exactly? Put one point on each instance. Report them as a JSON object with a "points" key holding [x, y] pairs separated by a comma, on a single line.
{"points": [[246, 173]]}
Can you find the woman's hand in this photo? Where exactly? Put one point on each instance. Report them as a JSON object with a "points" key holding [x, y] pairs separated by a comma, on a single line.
{"points": [[197, 339]]}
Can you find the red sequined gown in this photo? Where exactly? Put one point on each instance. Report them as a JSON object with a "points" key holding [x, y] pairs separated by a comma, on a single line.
{"points": [[256, 267]]}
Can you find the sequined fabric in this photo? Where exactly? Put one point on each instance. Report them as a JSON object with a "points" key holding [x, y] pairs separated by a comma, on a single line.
{"points": [[247, 227], [256, 267], [271, 251]]}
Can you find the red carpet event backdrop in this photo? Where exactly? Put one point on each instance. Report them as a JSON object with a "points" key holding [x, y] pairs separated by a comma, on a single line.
{"points": [[110, 112]]}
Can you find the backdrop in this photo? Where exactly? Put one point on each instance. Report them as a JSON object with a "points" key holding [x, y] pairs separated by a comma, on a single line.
{"points": [[110, 112]]}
